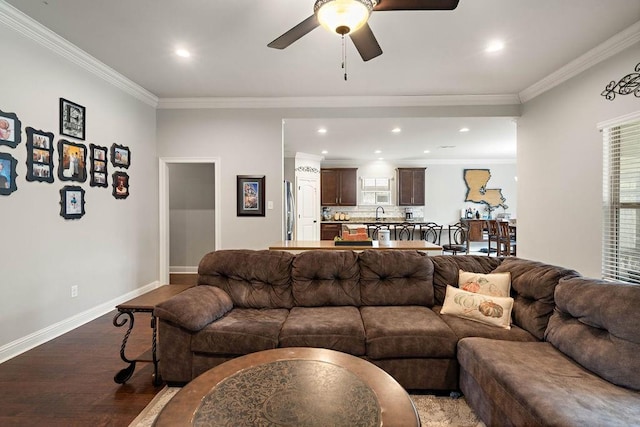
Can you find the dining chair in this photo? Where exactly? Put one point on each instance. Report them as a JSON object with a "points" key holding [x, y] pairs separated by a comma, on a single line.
{"points": [[493, 234], [457, 239], [507, 241], [431, 232]]}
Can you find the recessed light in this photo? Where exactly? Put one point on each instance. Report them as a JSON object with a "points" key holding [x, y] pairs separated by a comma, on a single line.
{"points": [[494, 46], [464, 130], [380, 158], [396, 130], [183, 53], [426, 151], [324, 152], [377, 151], [322, 130]]}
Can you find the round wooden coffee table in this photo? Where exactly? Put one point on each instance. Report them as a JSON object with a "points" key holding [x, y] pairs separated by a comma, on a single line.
{"points": [[295, 387]]}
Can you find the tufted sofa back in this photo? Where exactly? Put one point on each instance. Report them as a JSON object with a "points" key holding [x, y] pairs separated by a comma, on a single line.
{"points": [[596, 324], [253, 279]]}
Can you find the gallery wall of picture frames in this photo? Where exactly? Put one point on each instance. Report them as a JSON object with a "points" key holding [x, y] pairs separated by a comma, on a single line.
{"points": [[76, 160]]}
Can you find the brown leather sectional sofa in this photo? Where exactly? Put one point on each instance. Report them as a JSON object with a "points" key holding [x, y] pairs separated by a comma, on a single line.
{"points": [[571, 357]]}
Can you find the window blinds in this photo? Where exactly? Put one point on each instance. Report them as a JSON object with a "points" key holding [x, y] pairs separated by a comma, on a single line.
{"points": [[621, 202]]}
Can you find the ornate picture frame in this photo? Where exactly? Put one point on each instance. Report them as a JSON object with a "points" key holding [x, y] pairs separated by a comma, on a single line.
{"points": [[120, 156], [120, 185], [10, 129], [73, 119], [250, 195], [8, 174], [72, 202], [72, 161], [39, 155], [98, 166]]}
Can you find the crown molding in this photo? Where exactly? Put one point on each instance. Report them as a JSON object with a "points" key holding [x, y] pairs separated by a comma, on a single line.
{"points": [[31, 29], [418, 162], [337, 101], [613, 46]]}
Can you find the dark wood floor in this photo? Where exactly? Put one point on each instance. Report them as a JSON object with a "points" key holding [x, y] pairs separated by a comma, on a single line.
{"points": [[68, 381]]}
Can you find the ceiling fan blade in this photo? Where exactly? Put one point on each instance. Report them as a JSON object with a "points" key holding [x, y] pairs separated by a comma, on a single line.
{"points": [[366, 43], [295, 33], [416, 5]]}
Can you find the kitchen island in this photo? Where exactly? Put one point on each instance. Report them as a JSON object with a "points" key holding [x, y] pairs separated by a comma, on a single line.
{"points": [[297, 246]]}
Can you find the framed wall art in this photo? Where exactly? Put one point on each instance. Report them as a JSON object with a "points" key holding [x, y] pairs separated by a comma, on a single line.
{"points": [[120, 185], [39, 155], [7, 174], [10, 129], [250, 190], [120, 156], [72, 202], [72, 119], [98, 166], [72, 161]]}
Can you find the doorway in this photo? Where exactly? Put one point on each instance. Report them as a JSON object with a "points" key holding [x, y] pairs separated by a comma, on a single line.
{"points": [[189, 216]]}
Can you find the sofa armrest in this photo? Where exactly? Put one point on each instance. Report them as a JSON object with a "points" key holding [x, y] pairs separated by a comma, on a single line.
{"points": [[195, 308]]}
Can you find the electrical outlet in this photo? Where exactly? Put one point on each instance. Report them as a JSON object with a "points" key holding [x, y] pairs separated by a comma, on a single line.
{"points": [[74, 291]]}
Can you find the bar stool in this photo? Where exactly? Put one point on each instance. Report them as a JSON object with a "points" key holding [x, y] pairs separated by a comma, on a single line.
{"points": [[404, 231], [372, 230], [457, 239], [431, 232]]}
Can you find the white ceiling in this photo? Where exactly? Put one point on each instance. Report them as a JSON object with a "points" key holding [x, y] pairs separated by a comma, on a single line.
{"points": [[426, 53]]}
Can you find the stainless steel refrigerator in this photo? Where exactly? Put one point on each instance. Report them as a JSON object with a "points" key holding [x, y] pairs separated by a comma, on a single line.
{"points": [[289, 211]]}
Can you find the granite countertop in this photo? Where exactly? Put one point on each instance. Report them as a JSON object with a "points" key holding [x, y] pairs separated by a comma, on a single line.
{"points": [[373, 221]]}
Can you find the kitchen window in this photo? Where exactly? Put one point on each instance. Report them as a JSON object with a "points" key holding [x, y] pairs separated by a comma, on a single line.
{"points": [[376, 191], [621, 200]]}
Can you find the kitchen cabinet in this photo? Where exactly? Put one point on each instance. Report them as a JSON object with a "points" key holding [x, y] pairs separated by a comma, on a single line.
{"points": [[411, 186], [329, 231], [339, 187]]}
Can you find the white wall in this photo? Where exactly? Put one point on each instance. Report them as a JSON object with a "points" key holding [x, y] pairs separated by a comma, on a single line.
{"points": [[191, 214], [111, 250], [249, 142], [560, 166]]}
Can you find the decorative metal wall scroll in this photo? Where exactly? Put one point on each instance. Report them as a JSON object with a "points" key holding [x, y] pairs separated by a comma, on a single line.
{"points": [[627, 85]]}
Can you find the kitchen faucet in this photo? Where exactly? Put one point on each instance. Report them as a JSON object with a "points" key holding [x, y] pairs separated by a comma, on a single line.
{"points": [[378, 216]]}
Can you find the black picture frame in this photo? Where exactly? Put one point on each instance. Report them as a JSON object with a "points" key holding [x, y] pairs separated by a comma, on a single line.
{"points": [[120, 156], [250, 195], [8, 174], [39, 155], [72, 198], [72, 161], [99, 174], [120, 185], [73, 119], [10, 129]]}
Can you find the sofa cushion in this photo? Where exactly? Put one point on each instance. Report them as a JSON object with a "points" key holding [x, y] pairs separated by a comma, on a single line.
{"points": [[596, 324], [253, 279], [194, 308], [534, 384], [493, 284], [406, 331], [447, 267], [324, 278], [485, 309], [241, 331], [469, 328], [532, 287], [396, 278], [335, 328]]}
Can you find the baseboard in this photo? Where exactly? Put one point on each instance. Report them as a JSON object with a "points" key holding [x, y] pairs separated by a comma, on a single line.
{"points": [[37, 338], [174, 269]]}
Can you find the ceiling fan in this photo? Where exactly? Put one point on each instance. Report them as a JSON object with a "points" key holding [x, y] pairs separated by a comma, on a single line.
{"points": [[351, 16]]}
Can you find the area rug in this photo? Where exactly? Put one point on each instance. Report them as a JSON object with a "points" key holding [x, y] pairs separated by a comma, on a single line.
{"points": [[434, 411]]}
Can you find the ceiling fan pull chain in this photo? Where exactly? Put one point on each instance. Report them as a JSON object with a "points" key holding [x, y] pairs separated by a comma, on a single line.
{"points": [[344, 58]]}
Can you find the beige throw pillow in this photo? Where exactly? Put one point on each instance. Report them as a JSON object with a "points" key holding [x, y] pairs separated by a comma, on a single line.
{"points": [[491, 310], [492, 284]]}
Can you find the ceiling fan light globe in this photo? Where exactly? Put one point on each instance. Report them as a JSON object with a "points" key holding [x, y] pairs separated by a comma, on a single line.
{"points": [[343, 16]]}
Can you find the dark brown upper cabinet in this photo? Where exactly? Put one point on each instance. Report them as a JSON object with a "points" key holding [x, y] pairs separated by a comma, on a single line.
{"points": [[339, 187], [411, 186]]}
